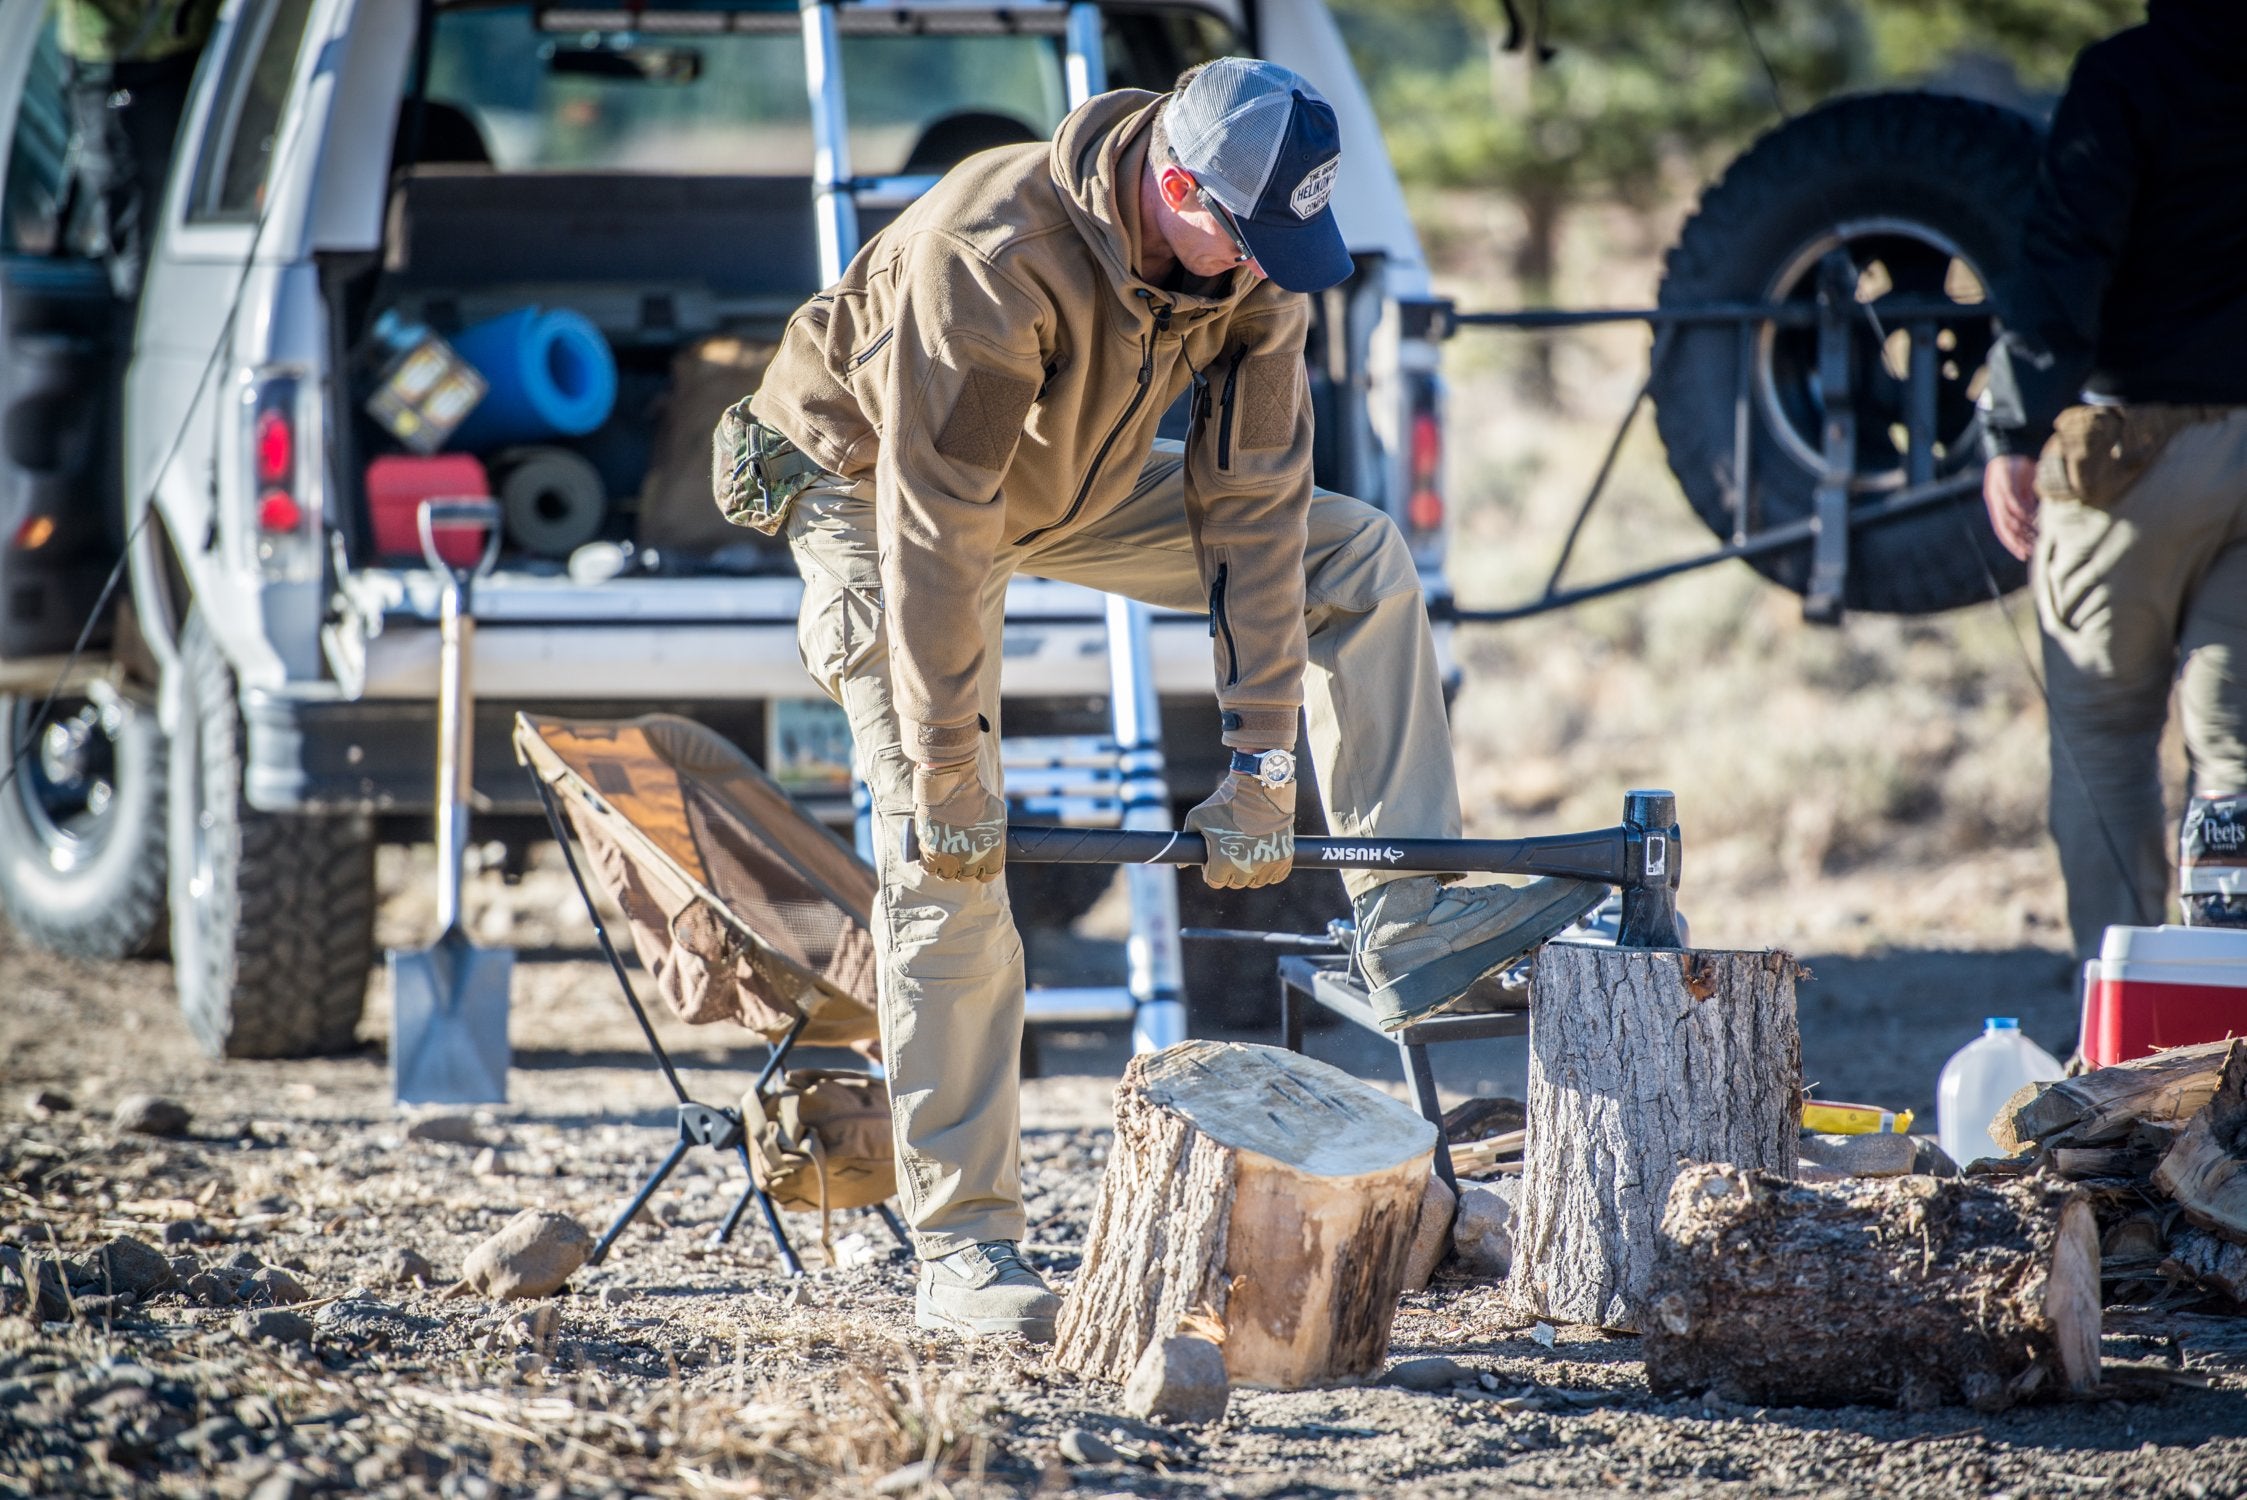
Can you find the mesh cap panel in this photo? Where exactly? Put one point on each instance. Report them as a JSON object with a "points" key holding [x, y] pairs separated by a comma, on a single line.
{"points": [[1229, 125]]}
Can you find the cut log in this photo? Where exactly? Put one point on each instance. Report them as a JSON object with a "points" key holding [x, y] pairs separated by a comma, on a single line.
{"points": [[2211, 1261], [2206, 1170], [1639, 1059], [1270, 1197], [1913, 1292], [2105, 1104]]}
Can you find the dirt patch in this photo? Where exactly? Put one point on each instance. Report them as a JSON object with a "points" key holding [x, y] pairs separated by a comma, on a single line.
{"points": [[682, 1367]]}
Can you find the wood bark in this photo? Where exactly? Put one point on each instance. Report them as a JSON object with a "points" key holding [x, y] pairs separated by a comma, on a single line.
{"points": [[1639, 1059], [2211, 1261], [2206, 1170], [1913, 1292], [1256, 1195], [2107, 1104]]}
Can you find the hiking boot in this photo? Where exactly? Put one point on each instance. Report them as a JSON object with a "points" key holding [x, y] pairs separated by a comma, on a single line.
{"points": [[1423, 943], [985, 1289]]}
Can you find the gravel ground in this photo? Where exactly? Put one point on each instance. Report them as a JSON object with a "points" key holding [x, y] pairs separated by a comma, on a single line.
{"points": [[679, 1367]]}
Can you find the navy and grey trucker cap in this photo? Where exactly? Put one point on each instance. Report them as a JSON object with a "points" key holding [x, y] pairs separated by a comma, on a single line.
{"points": [[1266, 145]]}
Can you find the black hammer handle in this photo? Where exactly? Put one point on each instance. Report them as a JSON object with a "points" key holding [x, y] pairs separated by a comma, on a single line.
{"points": [[1603, 855]]}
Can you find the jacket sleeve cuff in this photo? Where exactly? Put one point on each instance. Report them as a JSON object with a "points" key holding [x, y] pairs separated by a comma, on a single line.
{"points": [[1258, 728], [942, 744], [2013, 442]]}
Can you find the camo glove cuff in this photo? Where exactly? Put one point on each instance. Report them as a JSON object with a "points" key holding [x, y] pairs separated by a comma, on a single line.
{"points": [[1250, 830], [962, 827]]}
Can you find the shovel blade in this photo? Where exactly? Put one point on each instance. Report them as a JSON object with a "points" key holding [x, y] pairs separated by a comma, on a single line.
{"points": [[448, 1022]]}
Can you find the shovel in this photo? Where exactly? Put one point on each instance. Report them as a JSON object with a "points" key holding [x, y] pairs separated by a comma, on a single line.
{"points": [[448, 1029]]}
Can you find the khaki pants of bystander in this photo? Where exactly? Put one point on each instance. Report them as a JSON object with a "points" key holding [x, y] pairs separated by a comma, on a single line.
{"points": [[951, 979], [2138, 596]]}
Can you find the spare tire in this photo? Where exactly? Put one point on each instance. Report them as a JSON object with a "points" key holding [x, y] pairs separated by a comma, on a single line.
{"points": [[1926, 193]]}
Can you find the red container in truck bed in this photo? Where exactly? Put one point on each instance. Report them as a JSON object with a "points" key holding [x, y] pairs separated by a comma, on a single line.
{"points": [[2155, 987], [397, 484]]}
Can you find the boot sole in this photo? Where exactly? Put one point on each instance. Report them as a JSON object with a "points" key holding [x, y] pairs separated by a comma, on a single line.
{"points": [[1035, 1330], [1409, 997]]}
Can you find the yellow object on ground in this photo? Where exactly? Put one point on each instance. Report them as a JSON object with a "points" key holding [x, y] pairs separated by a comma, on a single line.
{"points": [[1828, 1118]]}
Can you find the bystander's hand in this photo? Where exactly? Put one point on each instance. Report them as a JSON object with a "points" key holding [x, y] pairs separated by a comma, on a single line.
{"points": [[962, 826], [2009, 490], [1250, 830]]}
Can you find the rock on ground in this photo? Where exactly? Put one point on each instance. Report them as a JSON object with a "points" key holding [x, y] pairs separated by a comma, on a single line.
{"points": [[1431, 1237], [126, 1265], [531, 1256], [1179, 1379], [1483, 1232], [407, 1267], [150, 1114]]}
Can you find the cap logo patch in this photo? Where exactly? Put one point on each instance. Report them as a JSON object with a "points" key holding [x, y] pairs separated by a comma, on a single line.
{"points": [[1317, 186]]}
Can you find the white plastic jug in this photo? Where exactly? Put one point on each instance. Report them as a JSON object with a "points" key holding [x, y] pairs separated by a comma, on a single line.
{"points": [[1978, 1080]]}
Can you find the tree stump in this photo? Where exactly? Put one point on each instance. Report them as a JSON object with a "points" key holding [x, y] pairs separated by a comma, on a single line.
{"points": [[1913, 1292], [1640, 1059], [1257, 1196]]}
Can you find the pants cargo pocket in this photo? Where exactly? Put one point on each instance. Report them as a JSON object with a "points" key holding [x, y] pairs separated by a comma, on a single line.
{"points": [[838, 632]]}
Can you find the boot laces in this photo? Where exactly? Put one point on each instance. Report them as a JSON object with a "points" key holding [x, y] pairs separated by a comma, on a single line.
{"points": [[1004, 1261]]}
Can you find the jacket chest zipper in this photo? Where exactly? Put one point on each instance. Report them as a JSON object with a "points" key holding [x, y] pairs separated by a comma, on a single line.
{"points": [[1131, 409], [858, 360], [1220, 624], [1225, 408]]}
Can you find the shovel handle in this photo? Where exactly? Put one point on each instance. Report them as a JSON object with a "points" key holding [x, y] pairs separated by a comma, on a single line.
{"points": [[460, 510]]}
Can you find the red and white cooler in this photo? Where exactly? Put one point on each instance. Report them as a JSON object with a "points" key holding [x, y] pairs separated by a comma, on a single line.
{"points": [[2155, 987]]}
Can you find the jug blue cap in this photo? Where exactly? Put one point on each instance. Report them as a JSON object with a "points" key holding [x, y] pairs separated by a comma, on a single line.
{"points": [[2002, 1023]]}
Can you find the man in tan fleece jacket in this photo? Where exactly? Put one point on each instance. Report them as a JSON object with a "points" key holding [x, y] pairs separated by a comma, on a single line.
{"points": [[978, 396]]}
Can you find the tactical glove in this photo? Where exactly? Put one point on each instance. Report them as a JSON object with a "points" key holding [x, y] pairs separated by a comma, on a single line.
{"points": [[1250, 829], [962, 827]]}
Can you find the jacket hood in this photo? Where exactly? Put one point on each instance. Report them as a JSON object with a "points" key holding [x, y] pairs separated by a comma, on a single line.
{"points": [[1097, 157]]}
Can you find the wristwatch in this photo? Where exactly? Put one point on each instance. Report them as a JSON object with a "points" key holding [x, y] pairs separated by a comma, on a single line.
{"points": [[1274, 768]]}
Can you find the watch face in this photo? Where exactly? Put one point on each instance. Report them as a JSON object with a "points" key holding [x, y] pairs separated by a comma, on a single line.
{"points": [[1278, 768]]}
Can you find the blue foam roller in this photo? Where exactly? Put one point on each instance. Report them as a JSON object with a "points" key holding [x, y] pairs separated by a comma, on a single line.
{"points": [[551, 375]]}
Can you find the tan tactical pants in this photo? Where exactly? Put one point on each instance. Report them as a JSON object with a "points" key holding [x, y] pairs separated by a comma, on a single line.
{"points": [[2148, 592], [951, 977]]}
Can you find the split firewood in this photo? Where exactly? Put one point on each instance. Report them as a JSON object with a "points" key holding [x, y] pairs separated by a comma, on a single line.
{"points": [[1911, 1292], [1271, 1197], [2205, 1172], [1638, 1059], [1477, 1157], [2107, 1104]]}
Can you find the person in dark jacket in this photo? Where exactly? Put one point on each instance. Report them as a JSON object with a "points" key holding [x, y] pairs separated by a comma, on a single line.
{"points": [[130, 64], [2117, 424]]}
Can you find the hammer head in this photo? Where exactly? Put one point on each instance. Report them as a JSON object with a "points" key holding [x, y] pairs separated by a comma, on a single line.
{"points": [[1650, 884]]}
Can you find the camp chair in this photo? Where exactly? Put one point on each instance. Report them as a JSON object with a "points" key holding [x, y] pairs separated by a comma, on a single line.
{"points": [[741, 907]]}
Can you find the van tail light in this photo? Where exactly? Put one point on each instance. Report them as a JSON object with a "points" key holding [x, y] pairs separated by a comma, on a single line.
{"points": [[278, 443], [1423, 506]]}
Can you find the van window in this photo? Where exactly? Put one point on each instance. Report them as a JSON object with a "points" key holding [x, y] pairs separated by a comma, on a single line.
{"points": [[31, 207], [245, 124], [698, 99]]}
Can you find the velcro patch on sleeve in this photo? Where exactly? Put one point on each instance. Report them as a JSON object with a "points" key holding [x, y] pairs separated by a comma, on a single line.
{"points": [[1267, 411], [986, 421]]}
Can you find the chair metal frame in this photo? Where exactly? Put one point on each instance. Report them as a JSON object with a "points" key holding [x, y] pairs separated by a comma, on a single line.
{"points": [[715, 1126]]}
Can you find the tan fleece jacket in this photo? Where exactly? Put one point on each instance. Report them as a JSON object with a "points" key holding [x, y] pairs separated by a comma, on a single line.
{"points": [[995, 362]]}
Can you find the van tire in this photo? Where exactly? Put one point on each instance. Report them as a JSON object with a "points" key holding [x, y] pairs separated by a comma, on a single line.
{"points": [[1924, 179], [272, 913], [89, 889]]}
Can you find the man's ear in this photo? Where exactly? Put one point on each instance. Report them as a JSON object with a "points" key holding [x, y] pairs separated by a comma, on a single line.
{"points": [[1176, 187]]}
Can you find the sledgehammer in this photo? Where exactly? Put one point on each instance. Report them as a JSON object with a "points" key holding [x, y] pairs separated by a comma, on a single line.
{"points": [[1640, 856]]}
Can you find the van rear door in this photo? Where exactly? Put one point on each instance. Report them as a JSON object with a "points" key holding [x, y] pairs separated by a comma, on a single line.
{"points": [[60, 328]]}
